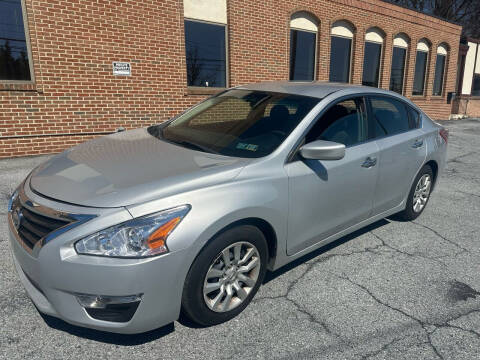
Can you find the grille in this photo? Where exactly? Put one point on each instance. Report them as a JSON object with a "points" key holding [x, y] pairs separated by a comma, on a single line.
{"points": [[32, 227]]}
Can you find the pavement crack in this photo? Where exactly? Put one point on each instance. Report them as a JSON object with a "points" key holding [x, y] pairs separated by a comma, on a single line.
{"points": [[442, 237], [312, 318], [409, 254], [456, 159], [448, 325], [299, 308], [473, 311], [383, 348], [423, 324], [426, 326], [367, 249], [403, 312], [468, 193]]}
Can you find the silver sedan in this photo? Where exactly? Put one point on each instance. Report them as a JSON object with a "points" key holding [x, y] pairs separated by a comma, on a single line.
{"points": [[125, 232]]}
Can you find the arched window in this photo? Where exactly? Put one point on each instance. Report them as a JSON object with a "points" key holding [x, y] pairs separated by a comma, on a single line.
{"points": [[440, 70], [303, 45], [399, 60], [372, 57], [341, 50], [421, 65]]}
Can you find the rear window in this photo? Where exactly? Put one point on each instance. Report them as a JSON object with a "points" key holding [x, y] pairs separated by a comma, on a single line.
{"points": [[240, 123], [390, 116]]}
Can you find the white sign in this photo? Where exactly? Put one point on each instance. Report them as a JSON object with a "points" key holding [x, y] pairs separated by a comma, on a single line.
{"points": [[122, 68]]}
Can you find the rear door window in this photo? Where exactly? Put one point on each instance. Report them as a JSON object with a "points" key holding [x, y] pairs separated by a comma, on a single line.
{"points": [[390, 116]]}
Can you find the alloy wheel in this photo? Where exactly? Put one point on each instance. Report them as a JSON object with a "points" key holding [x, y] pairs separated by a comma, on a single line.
{"points": [[231, 276], [422, 192]]}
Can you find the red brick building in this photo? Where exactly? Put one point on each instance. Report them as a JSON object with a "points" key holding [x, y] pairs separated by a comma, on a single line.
{"points": [[58, 88]]}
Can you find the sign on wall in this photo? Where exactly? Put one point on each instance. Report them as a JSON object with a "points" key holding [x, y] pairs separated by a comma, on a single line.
{"points": [[122, 68]]}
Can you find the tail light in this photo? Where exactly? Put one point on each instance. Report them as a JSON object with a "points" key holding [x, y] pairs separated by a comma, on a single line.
{"points": [[444, 134]]}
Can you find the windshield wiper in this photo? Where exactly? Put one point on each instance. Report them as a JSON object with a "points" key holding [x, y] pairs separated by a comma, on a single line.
{"points": [[194, 146], [157, 131]]}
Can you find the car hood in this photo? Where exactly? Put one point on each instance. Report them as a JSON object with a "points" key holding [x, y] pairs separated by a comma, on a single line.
{"points": [[128, 168]]}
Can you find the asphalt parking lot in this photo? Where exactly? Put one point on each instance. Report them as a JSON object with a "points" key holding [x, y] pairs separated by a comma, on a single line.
{"points": [[394, 290]]}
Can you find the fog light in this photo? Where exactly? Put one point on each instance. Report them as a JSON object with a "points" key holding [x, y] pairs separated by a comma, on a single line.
{"points": [[110, 308]]}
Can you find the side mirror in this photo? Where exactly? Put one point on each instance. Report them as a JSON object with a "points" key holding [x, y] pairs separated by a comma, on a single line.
{"points": [[323, 150]]}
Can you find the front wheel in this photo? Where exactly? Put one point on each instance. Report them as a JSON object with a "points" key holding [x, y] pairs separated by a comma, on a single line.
{"points": [[225, 276], [419, 194]]}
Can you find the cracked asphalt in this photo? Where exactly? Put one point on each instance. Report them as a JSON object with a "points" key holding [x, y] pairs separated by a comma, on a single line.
{"points": [[394, 290]]}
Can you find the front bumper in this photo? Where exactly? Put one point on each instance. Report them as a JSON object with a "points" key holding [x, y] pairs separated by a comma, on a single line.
{"points": [[54, 274]]}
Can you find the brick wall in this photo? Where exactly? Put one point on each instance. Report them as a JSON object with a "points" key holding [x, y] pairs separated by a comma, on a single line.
{"points": [[75, 96]]}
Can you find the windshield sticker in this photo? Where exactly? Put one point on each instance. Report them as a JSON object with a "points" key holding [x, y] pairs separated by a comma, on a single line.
{"points": [[245, 146]]}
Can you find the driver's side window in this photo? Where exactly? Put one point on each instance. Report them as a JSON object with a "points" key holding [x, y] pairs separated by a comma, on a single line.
{"points": [[345, 123]]}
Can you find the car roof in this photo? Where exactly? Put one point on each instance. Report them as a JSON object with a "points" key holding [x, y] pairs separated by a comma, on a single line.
{"points": [[317, 89]]}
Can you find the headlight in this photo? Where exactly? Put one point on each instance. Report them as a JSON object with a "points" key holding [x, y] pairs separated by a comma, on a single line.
{"points": [[141, 237]]}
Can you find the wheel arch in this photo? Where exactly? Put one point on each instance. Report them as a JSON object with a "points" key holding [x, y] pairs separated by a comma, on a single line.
{"points": [[264, 226], [434, 166]]}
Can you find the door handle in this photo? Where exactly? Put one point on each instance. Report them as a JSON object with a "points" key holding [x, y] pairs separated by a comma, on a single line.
{"points": [[418, 143], [369, 162]]}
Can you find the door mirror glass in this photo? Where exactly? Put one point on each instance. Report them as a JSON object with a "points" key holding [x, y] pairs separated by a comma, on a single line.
{"points": [[323, 150]]}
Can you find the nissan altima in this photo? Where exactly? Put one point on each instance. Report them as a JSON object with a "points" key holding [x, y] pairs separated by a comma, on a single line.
{"points": [[125, 232]]}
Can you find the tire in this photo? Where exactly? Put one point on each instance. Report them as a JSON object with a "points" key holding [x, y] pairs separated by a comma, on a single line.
{"points": [[412, 211], [202, 308]]}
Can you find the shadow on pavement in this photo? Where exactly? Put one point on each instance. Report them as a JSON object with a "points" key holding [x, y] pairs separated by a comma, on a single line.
{"points": [[273, 275], [106, 337]]}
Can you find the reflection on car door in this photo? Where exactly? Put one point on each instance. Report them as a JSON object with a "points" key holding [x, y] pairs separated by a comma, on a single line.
{"points": [[402, 150], [326, 197]]}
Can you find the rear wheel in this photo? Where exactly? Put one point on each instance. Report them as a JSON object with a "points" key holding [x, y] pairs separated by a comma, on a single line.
{"points": [[419, 194], [225, 276]]}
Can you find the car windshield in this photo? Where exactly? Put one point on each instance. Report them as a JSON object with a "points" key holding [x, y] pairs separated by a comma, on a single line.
{"points": [[240, 123]]}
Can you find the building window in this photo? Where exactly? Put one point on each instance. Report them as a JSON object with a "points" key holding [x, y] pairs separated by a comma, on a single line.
{"points": [[303, 44], [15, 63], [206, 54], [439, 70], [372, 58], [421, 62], [476, 85], [340, 52], [399, 59]]}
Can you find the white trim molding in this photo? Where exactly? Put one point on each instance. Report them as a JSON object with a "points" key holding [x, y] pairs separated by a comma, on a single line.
{"points": [[342, 28], [401, 41], [302, 20], [206, 10]]}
